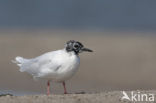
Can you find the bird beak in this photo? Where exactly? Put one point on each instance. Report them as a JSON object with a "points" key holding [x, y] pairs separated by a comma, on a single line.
{"points": [[86, 49]]}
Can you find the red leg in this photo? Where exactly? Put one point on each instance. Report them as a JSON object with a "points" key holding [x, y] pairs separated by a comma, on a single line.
{"points": [[64, 85], [48, 87]]}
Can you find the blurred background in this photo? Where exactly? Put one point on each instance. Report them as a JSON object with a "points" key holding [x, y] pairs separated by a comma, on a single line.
{"points": [[121, 33]]}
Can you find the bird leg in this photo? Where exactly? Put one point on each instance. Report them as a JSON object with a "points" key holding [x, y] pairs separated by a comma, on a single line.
{"points": [[48, 87], [64, 86]]}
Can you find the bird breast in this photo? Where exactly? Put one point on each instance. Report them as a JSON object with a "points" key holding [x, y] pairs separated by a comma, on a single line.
{"points": [[68, 65], [68, 68]]}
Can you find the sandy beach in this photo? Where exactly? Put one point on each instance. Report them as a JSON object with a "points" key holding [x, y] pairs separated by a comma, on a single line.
{"points": [[103, 97], [109, 97]]}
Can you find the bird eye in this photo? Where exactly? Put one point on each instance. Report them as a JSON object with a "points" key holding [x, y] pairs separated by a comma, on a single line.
{"points": [[76, 46]]}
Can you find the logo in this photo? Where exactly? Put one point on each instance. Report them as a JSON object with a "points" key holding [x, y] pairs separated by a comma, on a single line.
{"points": [[138, 96]]}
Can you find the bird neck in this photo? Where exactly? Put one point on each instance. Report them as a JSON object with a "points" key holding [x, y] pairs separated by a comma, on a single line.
{"points": [[72, 52]]}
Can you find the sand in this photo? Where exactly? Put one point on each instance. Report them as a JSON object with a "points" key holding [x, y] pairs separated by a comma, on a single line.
{"points": [[71, 98], [107, 97], [103, 97]]}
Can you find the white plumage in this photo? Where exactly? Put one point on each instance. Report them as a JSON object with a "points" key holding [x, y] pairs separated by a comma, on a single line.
{"points": [[56, 65]]}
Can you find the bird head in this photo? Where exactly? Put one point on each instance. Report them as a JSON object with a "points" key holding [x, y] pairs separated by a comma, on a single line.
{"points": [[76, 46]]}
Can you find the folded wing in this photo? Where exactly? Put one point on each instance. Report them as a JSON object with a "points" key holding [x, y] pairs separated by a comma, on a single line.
{"points": [[38, 66]]}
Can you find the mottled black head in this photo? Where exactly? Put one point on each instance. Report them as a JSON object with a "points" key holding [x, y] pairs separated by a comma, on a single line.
{"points": [[76, 46]]}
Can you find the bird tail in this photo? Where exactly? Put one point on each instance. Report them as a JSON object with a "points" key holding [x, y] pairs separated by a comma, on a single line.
{"points": [[19, 61]]}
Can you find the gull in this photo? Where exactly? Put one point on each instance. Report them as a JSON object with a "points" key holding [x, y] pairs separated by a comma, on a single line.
{"points": [[55, 66]]}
